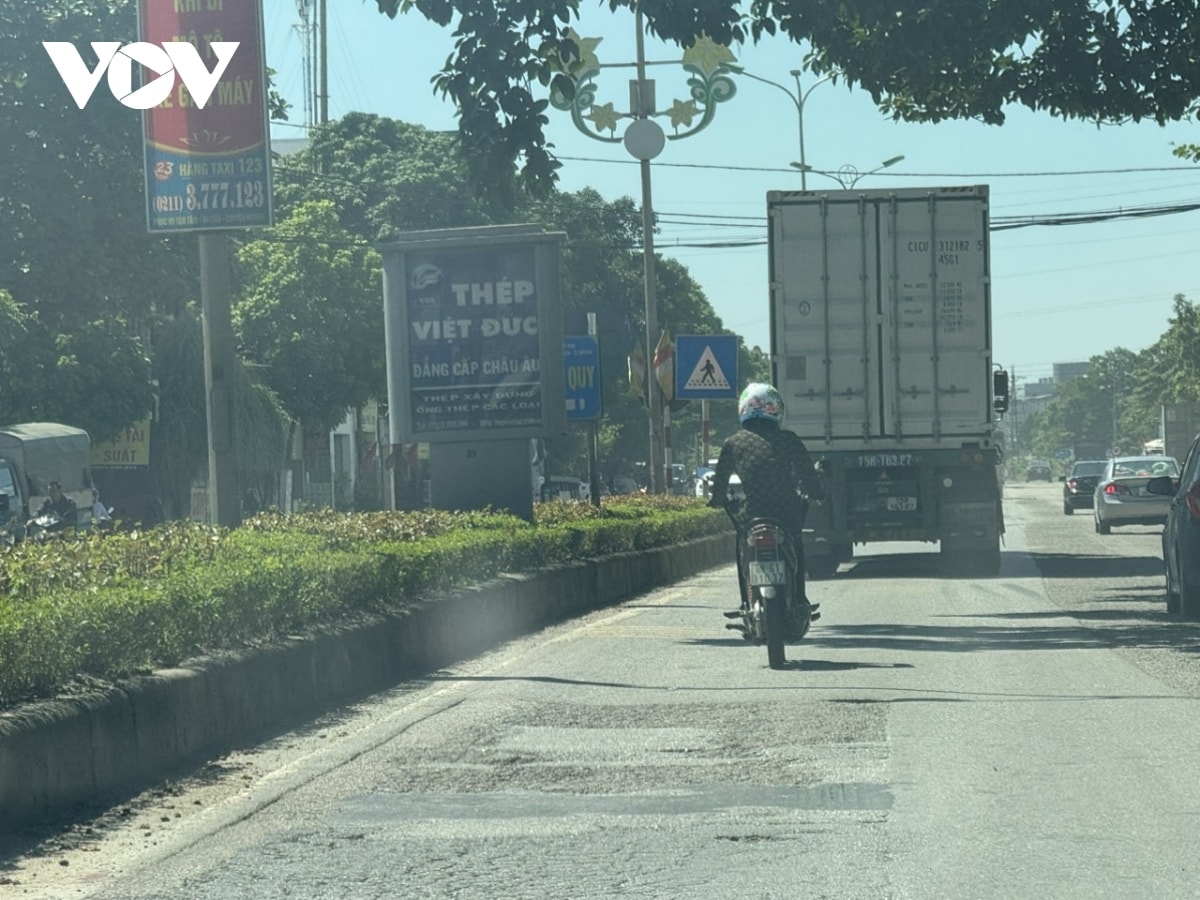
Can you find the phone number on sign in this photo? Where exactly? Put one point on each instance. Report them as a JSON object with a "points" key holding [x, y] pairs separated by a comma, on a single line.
{"points": [[225, 195]]}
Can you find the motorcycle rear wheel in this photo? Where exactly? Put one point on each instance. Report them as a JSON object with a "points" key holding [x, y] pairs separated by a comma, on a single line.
{"points": [[776, 626]]}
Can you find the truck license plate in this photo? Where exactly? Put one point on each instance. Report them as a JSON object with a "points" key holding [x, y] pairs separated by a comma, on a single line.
{"points": [[766, 572], [901, 504]]}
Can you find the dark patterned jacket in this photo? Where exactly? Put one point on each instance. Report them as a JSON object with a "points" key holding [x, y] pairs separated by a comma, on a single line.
{"points": [[771, 463]]}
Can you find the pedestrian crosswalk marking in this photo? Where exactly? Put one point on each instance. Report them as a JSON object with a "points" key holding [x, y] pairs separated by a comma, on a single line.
{"points": [[708, 374]]}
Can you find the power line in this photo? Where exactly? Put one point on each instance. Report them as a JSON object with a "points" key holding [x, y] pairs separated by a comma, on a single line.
{"points": [[891, 173]]}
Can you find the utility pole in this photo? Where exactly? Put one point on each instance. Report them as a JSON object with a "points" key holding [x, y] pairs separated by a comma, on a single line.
{"points": [[323, 76], [1016, 415]]}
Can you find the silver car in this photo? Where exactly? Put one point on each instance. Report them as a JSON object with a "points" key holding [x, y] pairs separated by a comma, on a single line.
{"points": [[1121, 497]]}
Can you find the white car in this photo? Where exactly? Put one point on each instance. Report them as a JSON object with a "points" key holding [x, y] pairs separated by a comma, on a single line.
{"points": [[1121, 498]]}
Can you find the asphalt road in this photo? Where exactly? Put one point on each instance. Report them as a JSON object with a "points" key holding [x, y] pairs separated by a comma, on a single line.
{"points": [[1027, 735]]}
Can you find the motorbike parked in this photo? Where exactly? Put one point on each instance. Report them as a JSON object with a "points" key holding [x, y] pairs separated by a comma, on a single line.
{"points": [[773, 610]]}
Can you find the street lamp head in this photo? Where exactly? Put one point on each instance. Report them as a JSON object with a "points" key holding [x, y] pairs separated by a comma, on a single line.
{"points": [[803, 167], [892, 161]]}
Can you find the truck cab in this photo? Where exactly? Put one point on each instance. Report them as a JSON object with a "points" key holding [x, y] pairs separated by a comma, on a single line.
{"points": [[12, 503]]}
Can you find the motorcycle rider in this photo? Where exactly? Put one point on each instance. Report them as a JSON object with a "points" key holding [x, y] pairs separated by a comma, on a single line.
{"points": [[58, 505], [771, 462]]}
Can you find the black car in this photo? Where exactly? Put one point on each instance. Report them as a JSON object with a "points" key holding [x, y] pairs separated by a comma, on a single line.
{"points": [[1080, 483], [1181, 534], [1039, 470]]}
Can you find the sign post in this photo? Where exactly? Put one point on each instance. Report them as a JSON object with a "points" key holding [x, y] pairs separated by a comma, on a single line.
{"points": [[208, 170], [581, 365]]}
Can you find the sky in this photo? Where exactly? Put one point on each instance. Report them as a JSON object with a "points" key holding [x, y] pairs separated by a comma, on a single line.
{"points": [[1060, 293]]}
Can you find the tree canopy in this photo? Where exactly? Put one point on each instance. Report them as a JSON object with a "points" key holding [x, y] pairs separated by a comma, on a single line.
{"points": [[364, 178], [920, 60], [1117, 402]]}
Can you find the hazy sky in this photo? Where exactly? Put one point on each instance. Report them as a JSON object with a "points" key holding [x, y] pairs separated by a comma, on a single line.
{"points": [[1060, 293]]}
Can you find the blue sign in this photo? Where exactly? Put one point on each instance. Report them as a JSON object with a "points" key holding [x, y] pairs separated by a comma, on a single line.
{"points": [[581, 375], [1062, 454], [706, 367]]}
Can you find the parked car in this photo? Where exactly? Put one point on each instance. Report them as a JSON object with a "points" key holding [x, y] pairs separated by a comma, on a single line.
{"points": [[1181, 533], [1038, 470], [1121, 498], [1079, 485]]}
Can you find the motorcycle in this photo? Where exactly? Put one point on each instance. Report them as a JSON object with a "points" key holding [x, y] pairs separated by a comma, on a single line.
{"points": [[773, 610], [43, 527]]}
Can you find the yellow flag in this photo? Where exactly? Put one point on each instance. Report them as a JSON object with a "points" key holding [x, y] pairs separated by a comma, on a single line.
{"points": [[637, 371], [664, 367]]}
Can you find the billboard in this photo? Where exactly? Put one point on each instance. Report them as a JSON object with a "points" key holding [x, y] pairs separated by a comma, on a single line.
{"points": [[208, 168], [474, 334], [128, 450]]}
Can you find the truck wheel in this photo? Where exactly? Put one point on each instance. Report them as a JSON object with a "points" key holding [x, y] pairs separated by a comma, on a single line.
{"points": [[821, 568], [1189, 600], [1172, 602]]}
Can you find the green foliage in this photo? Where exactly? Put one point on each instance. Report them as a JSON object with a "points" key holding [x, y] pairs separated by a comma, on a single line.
{"points": [[75, 257], [311, 314], [926, 61], [383, 176], [179, 452], [107, 606], [1118, 401], [73, 245]]}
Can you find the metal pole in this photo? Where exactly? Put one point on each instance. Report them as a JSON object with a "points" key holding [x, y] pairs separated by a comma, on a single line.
{"points": [[800, 97], [593, 430], [323, 85], [653, 394], [219, 364]]}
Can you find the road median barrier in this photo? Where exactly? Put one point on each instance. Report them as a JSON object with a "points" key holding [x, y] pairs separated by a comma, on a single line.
{"points": [[61, 756]]}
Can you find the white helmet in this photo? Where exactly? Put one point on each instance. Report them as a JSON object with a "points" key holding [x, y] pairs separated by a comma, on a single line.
{"points": [[760, 401]]}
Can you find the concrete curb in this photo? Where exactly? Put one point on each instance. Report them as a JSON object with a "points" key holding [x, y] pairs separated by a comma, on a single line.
{"points": [[59, 756]]}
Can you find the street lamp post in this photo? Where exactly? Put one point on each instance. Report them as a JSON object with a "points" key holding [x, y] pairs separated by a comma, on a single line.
{"points": [[708, 64], [847, 176], [798, 100]]}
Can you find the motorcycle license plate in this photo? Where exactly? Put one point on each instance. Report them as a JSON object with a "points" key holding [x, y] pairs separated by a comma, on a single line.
{"points": [[765, 572]]}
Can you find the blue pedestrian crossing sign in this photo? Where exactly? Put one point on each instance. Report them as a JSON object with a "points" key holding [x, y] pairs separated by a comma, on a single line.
{"points": [[706, 367]]}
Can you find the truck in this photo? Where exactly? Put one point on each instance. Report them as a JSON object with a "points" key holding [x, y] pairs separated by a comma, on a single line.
{"points": [[881, 345], [31, 456], [1180, 422]]}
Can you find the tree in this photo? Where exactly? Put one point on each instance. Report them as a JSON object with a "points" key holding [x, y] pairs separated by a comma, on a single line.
{"points": [[384, 177], [311, 315], [1097, 409], [179, 449], [75, 255], [1170, 369], [920, 60]]}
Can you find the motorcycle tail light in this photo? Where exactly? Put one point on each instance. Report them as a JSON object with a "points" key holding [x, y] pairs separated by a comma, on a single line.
{"points": [[1193, 500], [764, 539]]}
